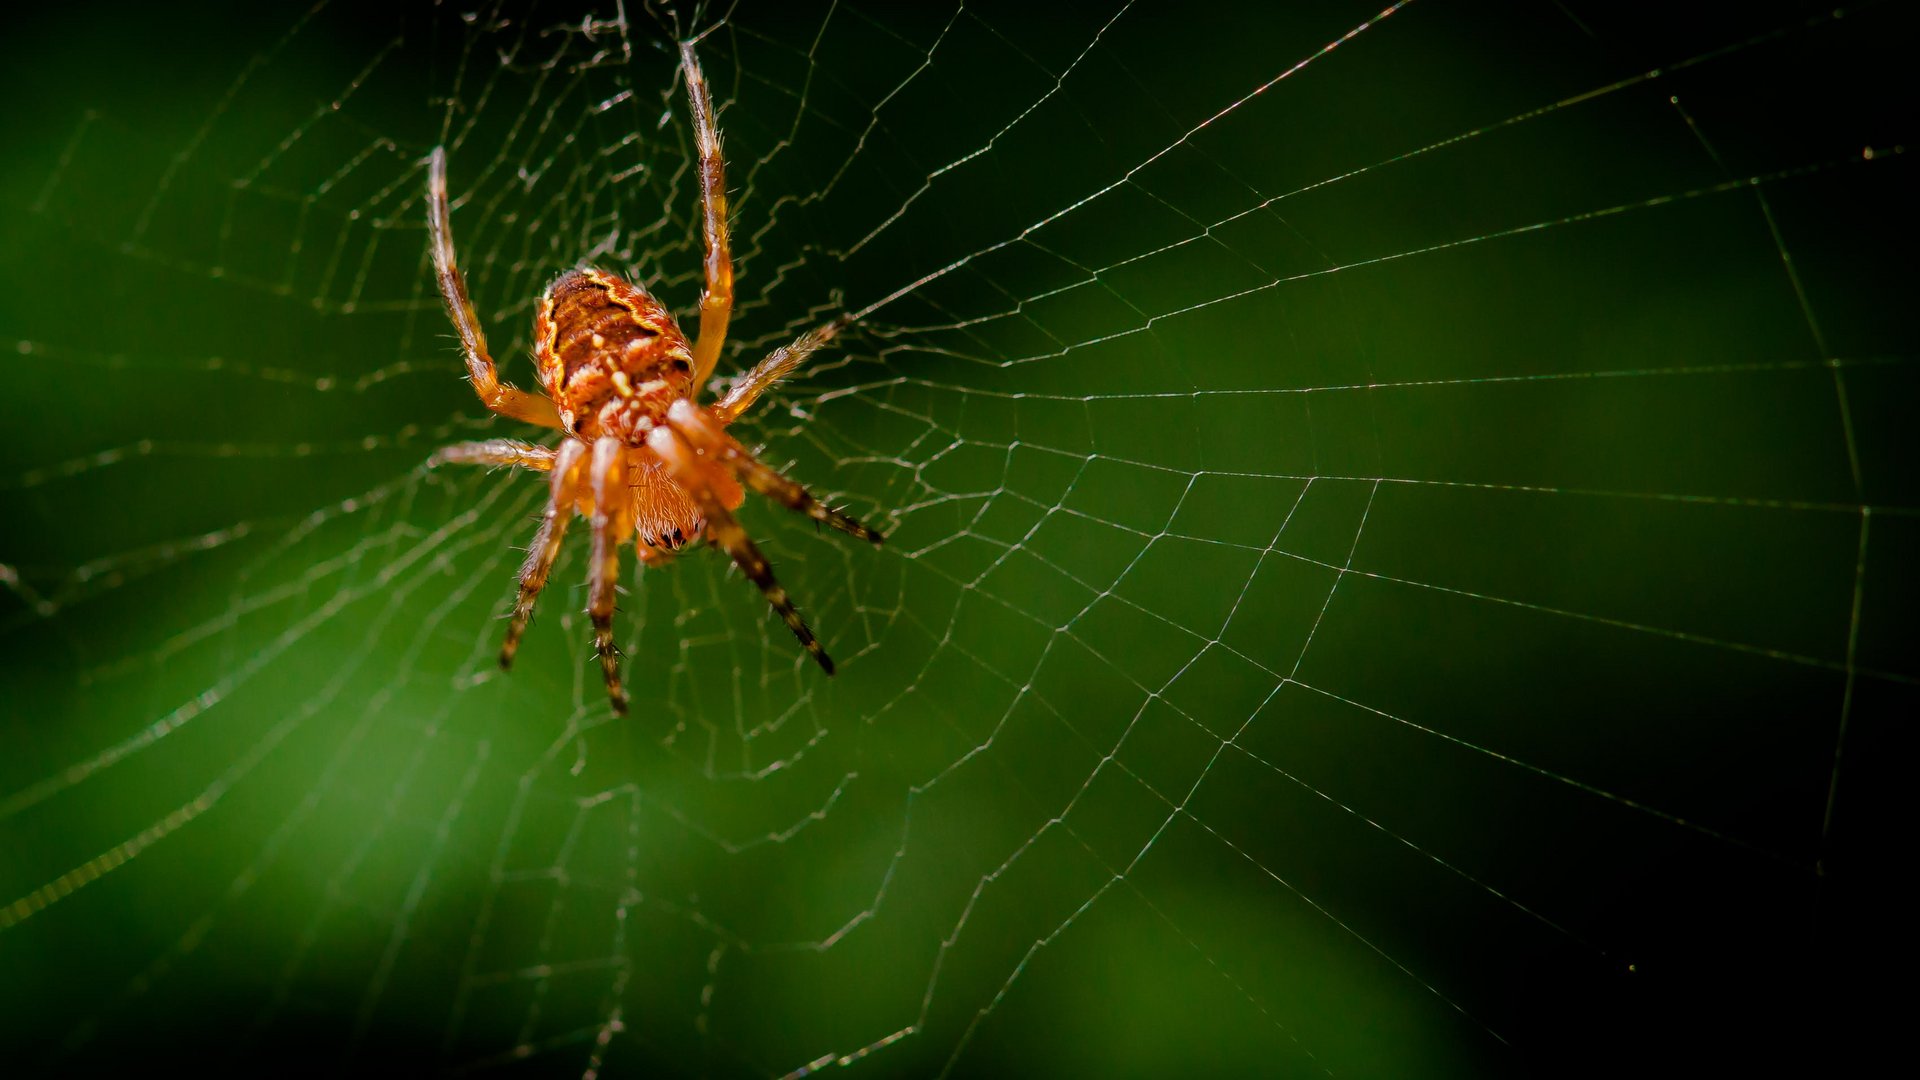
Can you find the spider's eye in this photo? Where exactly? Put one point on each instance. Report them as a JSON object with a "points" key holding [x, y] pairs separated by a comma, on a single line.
{"points": [[681, 365]]}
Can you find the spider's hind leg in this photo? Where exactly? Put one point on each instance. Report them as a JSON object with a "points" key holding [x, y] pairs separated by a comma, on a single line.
{"points": [[532, 408], [495, 453], [716, 301], [564, 493], [777, 365]]}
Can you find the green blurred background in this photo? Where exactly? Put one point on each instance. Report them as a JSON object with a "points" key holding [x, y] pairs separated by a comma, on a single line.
{"points": [[1409, 575]]}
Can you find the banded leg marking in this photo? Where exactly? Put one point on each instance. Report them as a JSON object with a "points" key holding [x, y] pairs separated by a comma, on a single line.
{"points": [[704, 433], [725, 532]]}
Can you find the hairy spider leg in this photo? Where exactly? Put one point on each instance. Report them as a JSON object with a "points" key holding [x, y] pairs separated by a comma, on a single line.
{"points": [[778, 364], [531, 408], [704, 433], [716, 301], [495, 452], [565, 493], [725, 532], [612, 524]]}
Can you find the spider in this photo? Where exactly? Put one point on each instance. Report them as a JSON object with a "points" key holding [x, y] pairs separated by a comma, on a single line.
{"points": [[642, 457]]}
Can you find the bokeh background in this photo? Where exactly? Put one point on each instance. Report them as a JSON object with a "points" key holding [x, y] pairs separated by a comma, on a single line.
{"points": [[1401, 544]]}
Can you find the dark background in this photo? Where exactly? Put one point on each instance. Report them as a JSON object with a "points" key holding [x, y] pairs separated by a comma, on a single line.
{"points": [[1409, 576]]}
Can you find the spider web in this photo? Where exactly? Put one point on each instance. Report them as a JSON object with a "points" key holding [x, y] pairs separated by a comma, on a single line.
{"points": [[1400, 547]]}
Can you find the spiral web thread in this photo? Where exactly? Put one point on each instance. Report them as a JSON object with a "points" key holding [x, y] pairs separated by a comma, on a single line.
{"points": [[1155, 481]]}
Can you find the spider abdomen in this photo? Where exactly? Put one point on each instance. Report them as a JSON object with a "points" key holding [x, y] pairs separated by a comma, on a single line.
{"points": [[609, 355]]}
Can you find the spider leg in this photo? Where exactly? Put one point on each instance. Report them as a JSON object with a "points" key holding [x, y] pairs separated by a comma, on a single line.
{"points": [[778, 364], [716, 302], [725, 532], [495, 452], [704, 432], [565, 493], [531, 408], [612, 524]]}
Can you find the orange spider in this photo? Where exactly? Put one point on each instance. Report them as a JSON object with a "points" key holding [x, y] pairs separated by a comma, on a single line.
{"points": [[642, 457]]}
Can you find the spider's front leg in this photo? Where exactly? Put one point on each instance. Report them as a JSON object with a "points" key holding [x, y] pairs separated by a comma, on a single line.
{"points": [[707, 435], [564, 495], [612, 525], [723, 529]]}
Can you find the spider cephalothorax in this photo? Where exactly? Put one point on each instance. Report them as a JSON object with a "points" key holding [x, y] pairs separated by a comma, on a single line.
{"points": [[641, 459]]}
